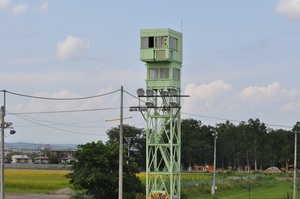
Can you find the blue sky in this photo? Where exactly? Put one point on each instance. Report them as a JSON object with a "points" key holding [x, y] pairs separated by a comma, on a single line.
{"points": [[241, 61]]}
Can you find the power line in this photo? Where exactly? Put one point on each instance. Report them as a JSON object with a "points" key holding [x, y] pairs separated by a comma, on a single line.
{"points": [[64, 29], [233, 120], [211, 117], [72, 124], [62, 111], [49, 98], [68, 131]]}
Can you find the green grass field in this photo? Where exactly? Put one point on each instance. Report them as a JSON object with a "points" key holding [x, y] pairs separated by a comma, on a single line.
{"points": [[276, 192], [194, 185]]}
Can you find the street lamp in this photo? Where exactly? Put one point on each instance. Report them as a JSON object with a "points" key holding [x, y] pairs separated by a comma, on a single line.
{"points": [[213, 188], [295, 166]]}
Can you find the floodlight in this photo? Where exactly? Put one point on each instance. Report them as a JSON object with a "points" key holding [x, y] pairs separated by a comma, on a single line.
{"points": [[164, 92], [149, 104], [140, 92], [173, 91], [7, 124], [150, 92], [12, 131], [174, 104]]}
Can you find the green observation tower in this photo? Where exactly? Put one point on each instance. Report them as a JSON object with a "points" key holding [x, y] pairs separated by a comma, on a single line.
{"points": [[161, 50]]}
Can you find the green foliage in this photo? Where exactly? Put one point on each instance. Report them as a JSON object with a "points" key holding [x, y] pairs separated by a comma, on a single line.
{"points": [[288, 196], [97, 168], [134, 141]]}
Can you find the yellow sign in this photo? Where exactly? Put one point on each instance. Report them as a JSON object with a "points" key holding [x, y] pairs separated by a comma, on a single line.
{"points": [[158, 195]]}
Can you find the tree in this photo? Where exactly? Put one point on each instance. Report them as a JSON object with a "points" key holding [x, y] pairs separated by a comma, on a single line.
{"points": [[134, 140], [196, 143], [256, 132], [53, 159], [228, 142], [97, 168], [190, 129]]}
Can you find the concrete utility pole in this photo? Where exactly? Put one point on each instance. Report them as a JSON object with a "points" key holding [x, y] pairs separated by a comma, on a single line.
{"points": [[121, 148], [2, 151], [2, 195]]}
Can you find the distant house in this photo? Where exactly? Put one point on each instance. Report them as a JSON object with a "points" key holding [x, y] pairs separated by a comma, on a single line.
{"points": [[64, 156], [68, 160], [41, 160], [21, 159], [206, 168]]}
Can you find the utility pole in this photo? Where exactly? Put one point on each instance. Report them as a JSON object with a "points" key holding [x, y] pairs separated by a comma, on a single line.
{"points": [[121, 148], [2, 145]]}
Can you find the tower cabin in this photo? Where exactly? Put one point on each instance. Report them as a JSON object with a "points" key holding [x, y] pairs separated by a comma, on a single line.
{"points": [[161, 49]]}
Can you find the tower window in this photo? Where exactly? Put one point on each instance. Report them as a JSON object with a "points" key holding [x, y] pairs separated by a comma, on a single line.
{"points": [[151, 42], [176, 74], [164, 73], [144, 42], [160, 41], [173, 43], [153, 73], [147, 42]]}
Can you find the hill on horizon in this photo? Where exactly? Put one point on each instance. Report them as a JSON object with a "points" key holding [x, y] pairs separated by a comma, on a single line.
{"points": [[36, 146]]}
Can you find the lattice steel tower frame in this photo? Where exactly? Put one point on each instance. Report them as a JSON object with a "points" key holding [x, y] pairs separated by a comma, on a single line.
{"points": [[161, 50]]}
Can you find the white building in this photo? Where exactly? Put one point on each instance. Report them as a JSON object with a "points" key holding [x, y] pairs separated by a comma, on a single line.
{"points": [[21, 159]]}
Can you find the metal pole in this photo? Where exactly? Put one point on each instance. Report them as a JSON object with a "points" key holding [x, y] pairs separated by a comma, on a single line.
{"points": [[2, 152], [121, 148], [213, 190], [2, 146], [295, 166]]}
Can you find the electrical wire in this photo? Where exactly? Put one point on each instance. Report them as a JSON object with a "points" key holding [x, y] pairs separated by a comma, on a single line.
{"points": [[211, 117], [134, 96], [64, 124], [232, 120], [216, 118], [65, 29], [49, 98], [100, 109], [62, 111], [68, 131]]}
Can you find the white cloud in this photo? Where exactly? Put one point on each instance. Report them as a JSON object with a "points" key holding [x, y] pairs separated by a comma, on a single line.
{"points": [[44, 7], [290, 8], [72, 48], [270, 97], [19, 9], [4, 3], [270, 103], [204, 98]]}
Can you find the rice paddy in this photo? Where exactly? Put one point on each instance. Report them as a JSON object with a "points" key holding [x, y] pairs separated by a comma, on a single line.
{"points": [[35, 181]]}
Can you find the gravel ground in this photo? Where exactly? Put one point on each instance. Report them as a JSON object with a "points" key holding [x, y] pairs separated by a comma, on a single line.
{"points": [[59, 194]]}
